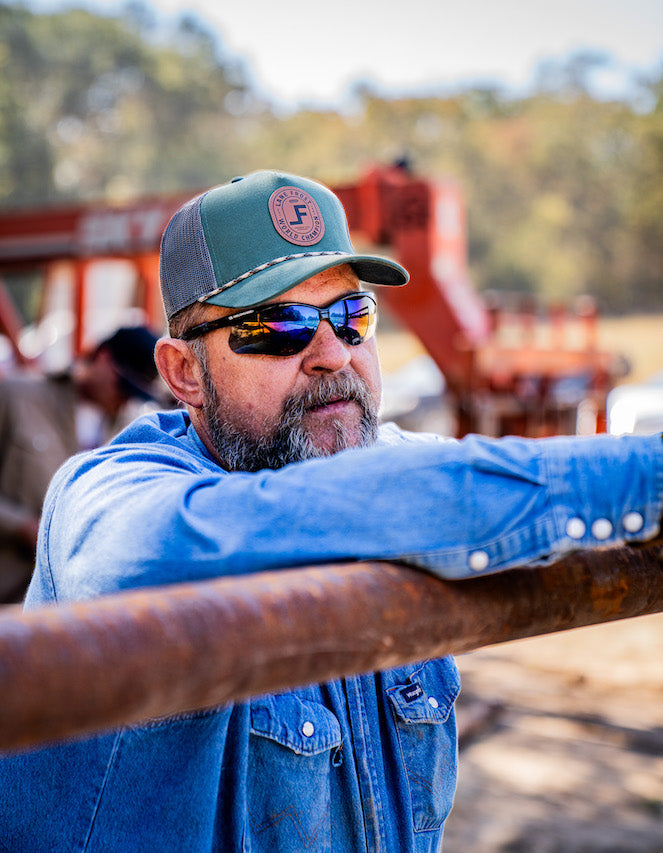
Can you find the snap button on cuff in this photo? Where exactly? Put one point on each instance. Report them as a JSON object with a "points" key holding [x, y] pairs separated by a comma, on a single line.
{"points": [[308, 728], [575, 528], [602, 528], [478, 561], [633, 522]]}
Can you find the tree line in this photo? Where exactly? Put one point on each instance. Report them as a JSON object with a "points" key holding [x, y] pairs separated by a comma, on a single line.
{"points": [[564, 190]]}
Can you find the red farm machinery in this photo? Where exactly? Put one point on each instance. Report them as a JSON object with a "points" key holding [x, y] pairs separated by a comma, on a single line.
{"points": [[68, 275]]}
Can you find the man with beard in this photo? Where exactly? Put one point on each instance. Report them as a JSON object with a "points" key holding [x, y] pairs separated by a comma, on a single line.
{"points": [[276, 460]]}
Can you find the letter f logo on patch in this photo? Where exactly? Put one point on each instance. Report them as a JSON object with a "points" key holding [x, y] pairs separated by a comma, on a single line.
{"points": [[296, 216], [299, 210]]}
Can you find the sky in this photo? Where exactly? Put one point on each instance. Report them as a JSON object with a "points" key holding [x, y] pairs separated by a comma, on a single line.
{"points": [[305, 52]]}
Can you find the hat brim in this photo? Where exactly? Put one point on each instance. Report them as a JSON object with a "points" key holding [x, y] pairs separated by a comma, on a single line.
{"points": [[284, 275]]}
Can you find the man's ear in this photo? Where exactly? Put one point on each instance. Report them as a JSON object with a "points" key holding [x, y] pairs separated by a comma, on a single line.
{"points": [[180, 370]]}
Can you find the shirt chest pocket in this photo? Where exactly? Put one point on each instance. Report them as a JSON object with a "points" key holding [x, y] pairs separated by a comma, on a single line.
{"points": [[296, 744], [423, 708]]}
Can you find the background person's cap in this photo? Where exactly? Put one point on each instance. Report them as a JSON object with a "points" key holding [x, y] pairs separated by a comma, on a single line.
{"points": [[248, 241], [131, 349]]}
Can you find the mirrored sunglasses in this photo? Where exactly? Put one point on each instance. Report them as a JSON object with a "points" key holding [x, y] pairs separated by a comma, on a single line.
{"points": [[286, 328]]}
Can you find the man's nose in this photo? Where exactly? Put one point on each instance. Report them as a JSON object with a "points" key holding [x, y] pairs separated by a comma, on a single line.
{"points": [[326, 353]]}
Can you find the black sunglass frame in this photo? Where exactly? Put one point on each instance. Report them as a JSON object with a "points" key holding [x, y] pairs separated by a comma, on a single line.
{"points": [[241, 317]]}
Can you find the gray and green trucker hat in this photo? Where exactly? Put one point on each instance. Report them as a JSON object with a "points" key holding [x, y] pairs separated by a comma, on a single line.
{"points": [[250, 240]]}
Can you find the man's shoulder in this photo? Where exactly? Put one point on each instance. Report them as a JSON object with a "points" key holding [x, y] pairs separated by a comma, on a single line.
{"points": [[162, 435], [161, 427], [164, 438]]}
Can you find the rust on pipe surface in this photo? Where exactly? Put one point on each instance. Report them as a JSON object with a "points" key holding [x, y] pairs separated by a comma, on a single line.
{"points": [[75, 669]]}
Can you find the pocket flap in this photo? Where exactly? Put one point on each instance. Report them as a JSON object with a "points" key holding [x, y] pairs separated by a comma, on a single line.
{"points": [[307, 728], [429, 694]]}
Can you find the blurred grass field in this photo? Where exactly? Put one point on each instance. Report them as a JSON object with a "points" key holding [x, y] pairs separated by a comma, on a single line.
{"points": [[639, 338]]}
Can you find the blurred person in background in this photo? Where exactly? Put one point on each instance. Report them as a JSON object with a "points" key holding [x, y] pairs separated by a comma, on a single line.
{"points": [[45, 419]]}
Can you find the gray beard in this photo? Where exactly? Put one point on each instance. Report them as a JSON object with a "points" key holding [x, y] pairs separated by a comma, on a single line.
{"points": [[239, 450]]}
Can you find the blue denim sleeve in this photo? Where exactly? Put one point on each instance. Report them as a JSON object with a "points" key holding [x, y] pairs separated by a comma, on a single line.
{"points": [[142, 515]]}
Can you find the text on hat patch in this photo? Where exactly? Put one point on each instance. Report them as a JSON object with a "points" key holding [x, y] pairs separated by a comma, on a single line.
{"points": [[296, 216]]}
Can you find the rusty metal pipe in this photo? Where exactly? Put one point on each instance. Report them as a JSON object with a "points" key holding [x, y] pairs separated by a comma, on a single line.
{"points": [[75, 669]]}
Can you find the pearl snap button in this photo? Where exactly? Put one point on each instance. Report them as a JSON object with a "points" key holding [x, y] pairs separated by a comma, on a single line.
{"points": [[633, 522], [575, 528], [601, 528], [432, 701], [478, 561], [308, 728]]}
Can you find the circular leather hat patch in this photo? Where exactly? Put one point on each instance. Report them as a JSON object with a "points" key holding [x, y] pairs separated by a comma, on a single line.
{"points": [[296, 216]]}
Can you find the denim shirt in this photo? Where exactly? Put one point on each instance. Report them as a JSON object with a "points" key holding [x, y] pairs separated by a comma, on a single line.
{"points": [[359, 764]]}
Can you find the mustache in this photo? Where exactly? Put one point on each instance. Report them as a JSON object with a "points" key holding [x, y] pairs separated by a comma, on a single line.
{"points": [[328, 389]]}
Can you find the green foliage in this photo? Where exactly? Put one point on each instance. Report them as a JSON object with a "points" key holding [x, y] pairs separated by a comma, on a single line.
{"points": [[564, 191], [92, 106]]}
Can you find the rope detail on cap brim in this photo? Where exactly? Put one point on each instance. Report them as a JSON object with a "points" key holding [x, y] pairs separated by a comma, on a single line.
{"points": [[266, 266]]}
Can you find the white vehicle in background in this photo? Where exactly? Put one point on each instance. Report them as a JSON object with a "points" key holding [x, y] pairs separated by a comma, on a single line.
{"points": [[636, 408]]}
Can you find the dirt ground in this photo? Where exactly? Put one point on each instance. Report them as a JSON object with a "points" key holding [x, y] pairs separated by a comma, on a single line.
{"points": [[562, 744]]}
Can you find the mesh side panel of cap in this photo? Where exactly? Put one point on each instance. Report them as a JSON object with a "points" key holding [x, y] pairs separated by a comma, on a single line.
{"points": [[186, 268]]}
